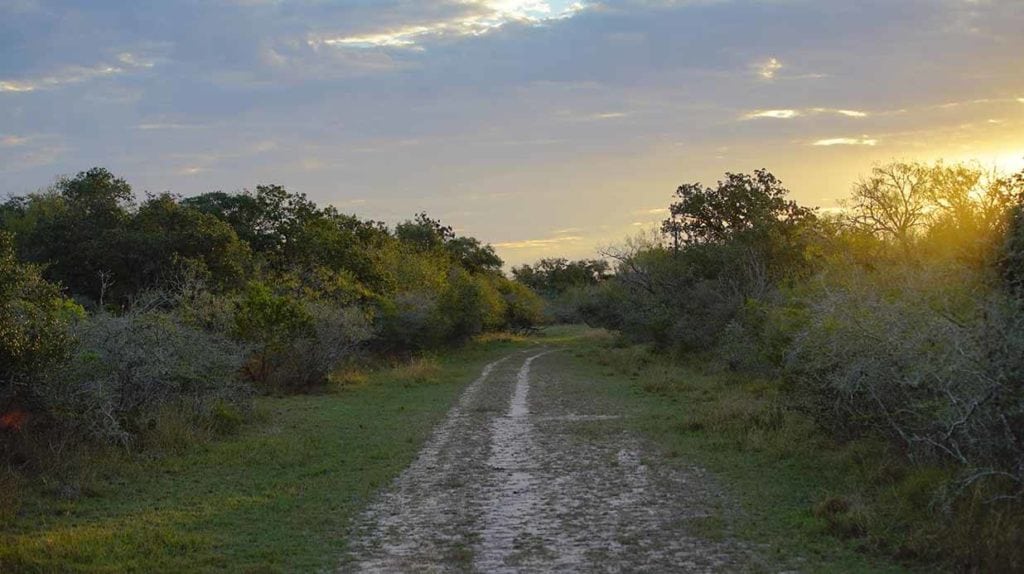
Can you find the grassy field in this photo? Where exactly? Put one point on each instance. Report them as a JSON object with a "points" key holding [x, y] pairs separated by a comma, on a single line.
{"points": [[278, 496]]}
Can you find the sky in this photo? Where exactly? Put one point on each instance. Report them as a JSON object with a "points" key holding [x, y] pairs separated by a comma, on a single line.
{"points": [[547, 128]]}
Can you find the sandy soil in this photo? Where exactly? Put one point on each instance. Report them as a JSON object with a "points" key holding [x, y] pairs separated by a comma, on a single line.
{"points": [[531, 473]]}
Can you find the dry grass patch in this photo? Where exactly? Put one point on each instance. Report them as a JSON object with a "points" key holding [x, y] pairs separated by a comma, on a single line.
{"points": [[418, 371]]}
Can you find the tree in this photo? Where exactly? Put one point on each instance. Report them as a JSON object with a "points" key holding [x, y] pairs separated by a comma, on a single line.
{"points": [[554, 276], [268, 218], [740, 205], [164, 233], [34, 328], [474, 256], [77, 230], [893, 201], [424, 233]]}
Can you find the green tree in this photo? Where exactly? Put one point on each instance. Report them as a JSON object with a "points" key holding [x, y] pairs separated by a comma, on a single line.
{"points": [[164, 233], [34, 329], [78, 232], [739, 207]]}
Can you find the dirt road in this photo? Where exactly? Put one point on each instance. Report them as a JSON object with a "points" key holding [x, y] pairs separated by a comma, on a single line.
{"points": [[530, 472]]}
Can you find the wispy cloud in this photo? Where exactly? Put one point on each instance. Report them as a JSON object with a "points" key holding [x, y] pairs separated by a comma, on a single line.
{"points": [[539, 243], [481, 17], [847, 113], [863, 141], [76, 74], [786, 114], [167, 126], [774, 114], [768, 68], [12, 140], [654, 211]]}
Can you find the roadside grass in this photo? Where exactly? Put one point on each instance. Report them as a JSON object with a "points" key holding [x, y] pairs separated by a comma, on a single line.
{"points": [[276, 496], [814, 505]]}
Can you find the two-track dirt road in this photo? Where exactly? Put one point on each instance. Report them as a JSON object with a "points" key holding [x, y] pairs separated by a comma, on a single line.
{"points": [[531, 472]]}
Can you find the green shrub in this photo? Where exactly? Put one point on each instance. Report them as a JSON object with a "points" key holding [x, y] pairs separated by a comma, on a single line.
{"points": [[35, 339], [524, 309], [297, 343]]}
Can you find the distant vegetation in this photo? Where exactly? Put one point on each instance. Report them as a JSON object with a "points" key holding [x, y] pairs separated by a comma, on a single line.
{"points": [[899, 319], [139, 324]]}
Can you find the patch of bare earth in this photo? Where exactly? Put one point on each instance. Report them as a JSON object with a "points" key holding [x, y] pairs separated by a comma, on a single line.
{"points": [[531, 473]]}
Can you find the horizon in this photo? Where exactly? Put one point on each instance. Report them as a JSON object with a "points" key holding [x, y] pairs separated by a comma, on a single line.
{"points": [[543, 128]]}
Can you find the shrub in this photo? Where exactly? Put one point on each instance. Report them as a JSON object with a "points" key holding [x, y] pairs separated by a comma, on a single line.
{"points": [[524, 309], [469, 306], [335, 336], [298, 343], [409, 323], [129, 369], [35, 337], [915, 363]]}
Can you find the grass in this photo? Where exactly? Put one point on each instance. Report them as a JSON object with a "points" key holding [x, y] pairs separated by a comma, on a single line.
{"points": [[277, 496], [801, 496]]}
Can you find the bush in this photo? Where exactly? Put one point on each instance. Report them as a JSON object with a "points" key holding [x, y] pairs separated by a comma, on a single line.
{"points": [[297, 343], [941, 376], [336, 336], [469, 306], [410, 323], [524, 309], [35, 338], [127, 370]]}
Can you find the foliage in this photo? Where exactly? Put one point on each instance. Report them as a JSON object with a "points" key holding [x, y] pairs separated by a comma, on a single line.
{"points": [[554, 276], [739, 207], [524, 309], [128, 368], [898, 320], [35, 333]]}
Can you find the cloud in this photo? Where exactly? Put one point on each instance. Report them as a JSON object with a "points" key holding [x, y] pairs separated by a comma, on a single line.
{"points": [[786, 114], [479, 17], [68, 75], [768, 68], [847, 113], [167, 126], [539, 243], [862, 141], [11, 141], [774, 114]]}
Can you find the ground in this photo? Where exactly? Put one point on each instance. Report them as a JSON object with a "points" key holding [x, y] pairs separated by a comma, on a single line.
{"points": [[534, 471]]}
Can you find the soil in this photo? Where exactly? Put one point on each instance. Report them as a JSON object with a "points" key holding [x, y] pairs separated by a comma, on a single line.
{"points": [[531, 472]]}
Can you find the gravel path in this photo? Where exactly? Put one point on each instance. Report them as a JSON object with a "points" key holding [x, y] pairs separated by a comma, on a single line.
{"points": [[531, 473]]}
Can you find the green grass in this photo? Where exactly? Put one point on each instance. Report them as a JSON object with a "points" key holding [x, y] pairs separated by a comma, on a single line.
{"points": [[774, 464], [278, 496]]}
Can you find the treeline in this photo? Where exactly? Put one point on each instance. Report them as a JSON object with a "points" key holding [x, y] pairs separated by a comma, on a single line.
{"points": [[125, 321], [900, 317]]}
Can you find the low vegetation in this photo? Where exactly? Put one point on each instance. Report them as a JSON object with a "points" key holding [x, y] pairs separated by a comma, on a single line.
{"points": [[898, 322], [276, 495], [142, 326]]}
